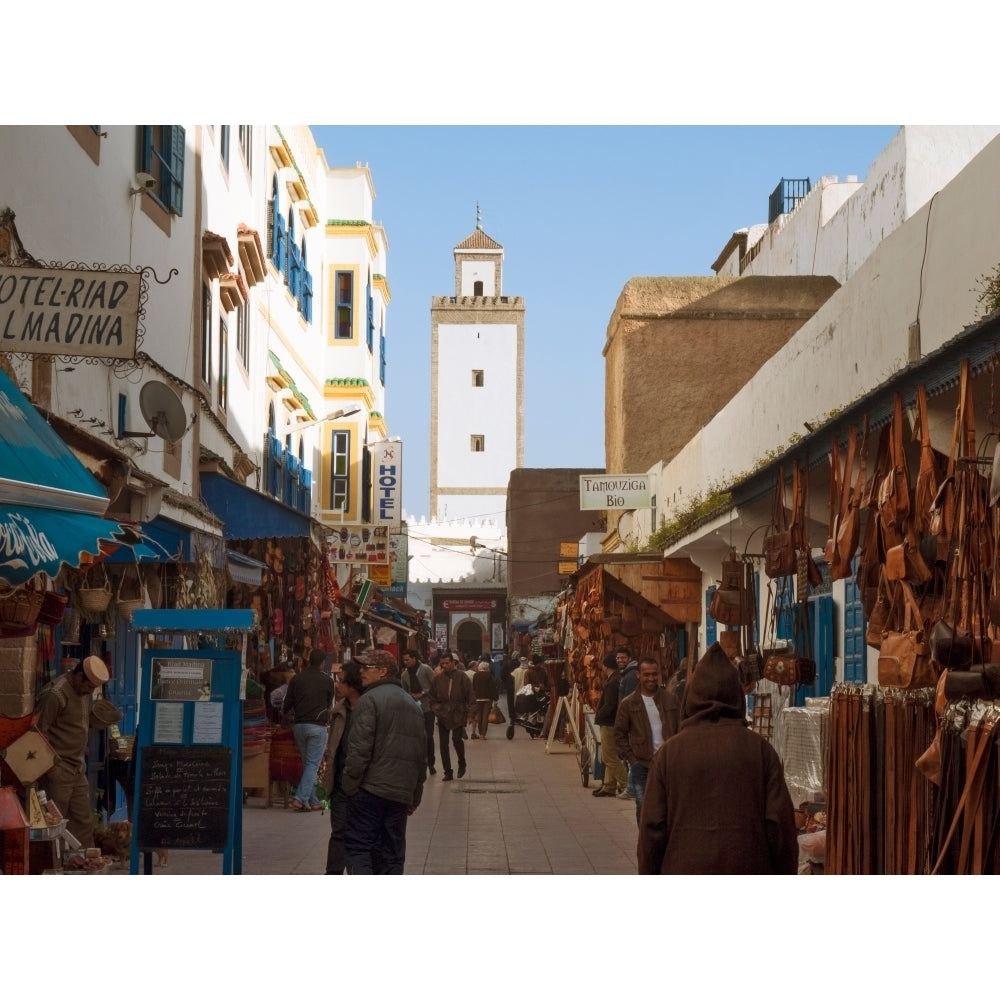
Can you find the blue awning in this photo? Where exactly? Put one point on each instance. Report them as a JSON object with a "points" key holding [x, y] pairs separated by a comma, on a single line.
{"points": [[37, 540], [244, 569], [135, 552], [195, 620], [245, 513], [50, 505], [171, 539], [36, 466]]}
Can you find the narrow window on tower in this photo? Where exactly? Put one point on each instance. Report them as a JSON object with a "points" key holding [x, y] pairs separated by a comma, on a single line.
{"points": [[345, 305], [477, 288], [340, 480], [477, 378], [478, 442]]}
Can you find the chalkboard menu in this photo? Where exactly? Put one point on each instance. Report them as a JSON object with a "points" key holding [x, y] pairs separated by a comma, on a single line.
{"points": [[183, 797]]}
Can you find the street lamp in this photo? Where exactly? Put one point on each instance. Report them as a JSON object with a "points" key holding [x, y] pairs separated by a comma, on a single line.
{"points": [[336, 415]]}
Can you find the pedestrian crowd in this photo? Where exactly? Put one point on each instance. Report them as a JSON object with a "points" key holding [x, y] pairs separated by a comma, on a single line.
{"points": [[709, 793], [365, 733]]}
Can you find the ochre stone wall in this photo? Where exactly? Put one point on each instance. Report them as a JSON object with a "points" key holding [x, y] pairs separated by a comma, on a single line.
{"points": [[678, 349]]}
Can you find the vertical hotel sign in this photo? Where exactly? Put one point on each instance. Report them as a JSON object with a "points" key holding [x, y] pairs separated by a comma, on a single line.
{"points": [[387, 476], [69, 312]]}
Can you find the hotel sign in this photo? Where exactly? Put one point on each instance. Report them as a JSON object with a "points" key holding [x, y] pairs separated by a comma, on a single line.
{"points": [[608, 492], [387, 476], [69, 312]]}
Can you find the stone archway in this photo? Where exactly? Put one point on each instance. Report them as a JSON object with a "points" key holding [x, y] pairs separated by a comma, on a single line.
{"points": [[469, 636]]}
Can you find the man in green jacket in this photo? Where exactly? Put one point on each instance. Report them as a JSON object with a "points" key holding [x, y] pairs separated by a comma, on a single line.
{"points": [[384, 771]]}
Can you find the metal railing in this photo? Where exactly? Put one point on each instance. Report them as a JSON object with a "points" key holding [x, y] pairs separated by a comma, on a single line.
{"points": [[786, 196]]}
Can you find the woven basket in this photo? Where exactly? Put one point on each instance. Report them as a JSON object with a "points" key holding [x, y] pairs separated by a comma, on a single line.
{"points": [[95, 599], [131, 594], [120, 747], [19, 608], [53, 608]]}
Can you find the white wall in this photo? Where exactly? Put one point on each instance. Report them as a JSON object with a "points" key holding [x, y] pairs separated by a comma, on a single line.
{"points": [[479, 270], [860, 335], [838, 225], [465, 409]]}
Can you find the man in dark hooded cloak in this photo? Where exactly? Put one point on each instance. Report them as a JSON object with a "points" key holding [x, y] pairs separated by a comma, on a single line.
{"points": [[716, 802]]}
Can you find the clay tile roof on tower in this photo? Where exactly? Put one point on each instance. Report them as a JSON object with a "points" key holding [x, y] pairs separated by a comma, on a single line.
{"points": [[479, 241]]}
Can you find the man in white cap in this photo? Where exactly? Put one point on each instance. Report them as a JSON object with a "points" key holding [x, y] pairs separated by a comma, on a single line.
{"points": [[64, 718]]}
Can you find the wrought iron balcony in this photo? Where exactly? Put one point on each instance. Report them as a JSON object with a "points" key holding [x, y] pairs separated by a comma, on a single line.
{"points": [[786, 196]]}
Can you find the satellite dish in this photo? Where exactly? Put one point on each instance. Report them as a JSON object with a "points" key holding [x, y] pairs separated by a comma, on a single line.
{"points": [[162, 410]]}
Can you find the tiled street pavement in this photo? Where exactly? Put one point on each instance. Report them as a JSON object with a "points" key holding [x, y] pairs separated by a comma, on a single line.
{"points": [[518, 810]]}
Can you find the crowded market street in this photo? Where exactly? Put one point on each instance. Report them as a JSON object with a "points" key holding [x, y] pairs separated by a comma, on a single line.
{"points": [[519, 810]]}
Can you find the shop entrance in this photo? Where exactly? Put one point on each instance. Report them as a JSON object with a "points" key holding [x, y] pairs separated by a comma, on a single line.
{"points": [[469, 640]]}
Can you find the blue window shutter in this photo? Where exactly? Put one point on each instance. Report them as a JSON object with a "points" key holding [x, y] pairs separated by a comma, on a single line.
{"points": [[290, 230], [279, 241], [784, 611], [144, 149], [381, 356], [371, 319], [177, 168], [710, 626], [307, 298]]}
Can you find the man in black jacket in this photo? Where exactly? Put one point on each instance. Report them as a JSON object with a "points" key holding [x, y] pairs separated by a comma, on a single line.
{"points": [[628, 681], [308, 701], [384, 771], [615, 775]]}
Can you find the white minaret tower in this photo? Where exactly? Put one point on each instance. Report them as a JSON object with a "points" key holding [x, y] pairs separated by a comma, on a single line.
{"points": [[477, 386]]}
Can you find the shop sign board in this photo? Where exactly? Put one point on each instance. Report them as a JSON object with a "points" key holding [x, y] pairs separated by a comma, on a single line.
{"points": [[607, 492], [387, 476], [70, 312], [359, 543], [469, 604], [399, 555]]}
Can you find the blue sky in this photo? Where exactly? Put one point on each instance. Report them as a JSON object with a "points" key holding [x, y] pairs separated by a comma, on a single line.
{"points": [[579, 210]]}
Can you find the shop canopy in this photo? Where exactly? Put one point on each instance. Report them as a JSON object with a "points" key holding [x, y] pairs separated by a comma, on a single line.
{"points": [[246, 513], [50, 504]]}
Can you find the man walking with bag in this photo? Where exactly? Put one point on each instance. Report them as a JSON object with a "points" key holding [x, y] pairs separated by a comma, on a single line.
{"points": [[452, 702]]}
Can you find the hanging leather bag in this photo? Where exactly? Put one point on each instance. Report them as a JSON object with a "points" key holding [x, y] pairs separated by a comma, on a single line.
{"points": [[880, 618], [830, 549], [926, 486], [779, 551], [726, 606], [849, 527], [904, 659], [894, 488]]}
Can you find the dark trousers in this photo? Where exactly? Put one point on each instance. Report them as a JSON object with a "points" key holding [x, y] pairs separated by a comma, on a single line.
{"points": [[457, 738], [638, 773], [335, 857], [429, 730], [375, 835]]}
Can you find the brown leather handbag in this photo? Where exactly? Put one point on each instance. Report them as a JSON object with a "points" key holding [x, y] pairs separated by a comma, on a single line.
{"points": [[779, 550], [726, 606], [788, 668], [904, 659]]}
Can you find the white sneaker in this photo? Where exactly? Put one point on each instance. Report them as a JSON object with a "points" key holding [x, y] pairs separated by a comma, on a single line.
{"points": [[626, 795]]}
